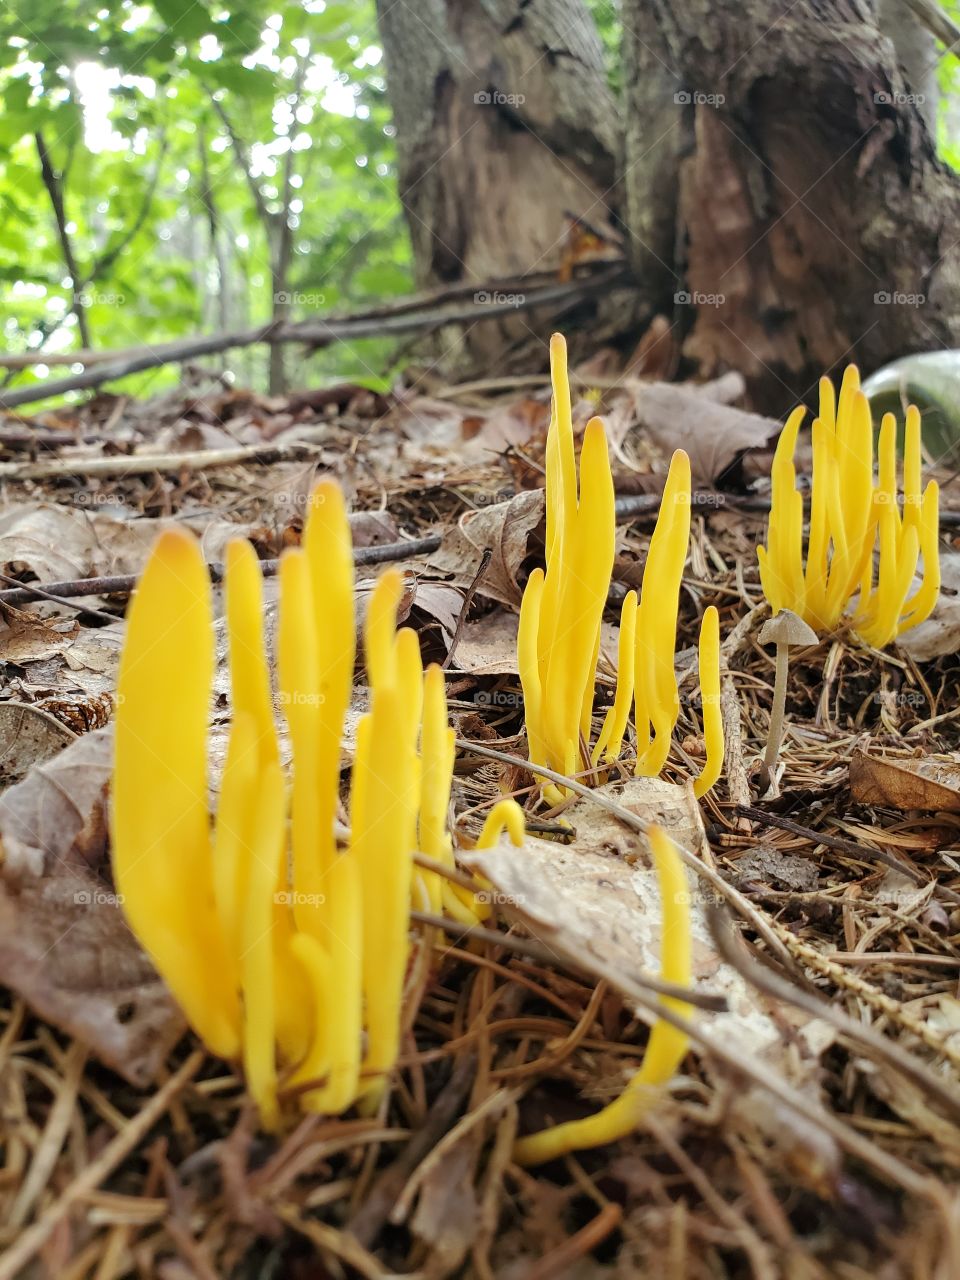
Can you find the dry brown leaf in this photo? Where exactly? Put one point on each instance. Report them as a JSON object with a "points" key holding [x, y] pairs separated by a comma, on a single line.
{"points": [[713, 434], [28, 736], [65, 946], [511, 424], [506, 530], [598, 900], [929, 784]]}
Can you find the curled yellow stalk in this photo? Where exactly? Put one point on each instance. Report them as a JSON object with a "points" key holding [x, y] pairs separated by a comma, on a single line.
{"points": [[667, 1045]]}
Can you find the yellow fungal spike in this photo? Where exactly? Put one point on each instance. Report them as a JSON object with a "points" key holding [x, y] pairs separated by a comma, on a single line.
{"points": [[328, 546], [301, 698], [162, 857], [259, 1003], [528, 664], [815, 576], [709, 659], [667, 1046], [380, 626], [912, 460], [615, 722], [382, 837], [341, 1035], [920, 605], [249, 676], [655, 688], [437, 752], [785, 528], [233, 830], [314, 1068], [561, 428], [828, 406]]}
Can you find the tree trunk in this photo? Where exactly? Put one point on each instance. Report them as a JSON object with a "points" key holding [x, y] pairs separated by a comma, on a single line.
{"points": [[505, 126], [796, 190]]}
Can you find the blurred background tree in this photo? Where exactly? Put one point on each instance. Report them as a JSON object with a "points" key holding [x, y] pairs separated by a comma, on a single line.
{"points": [[175, 167]]}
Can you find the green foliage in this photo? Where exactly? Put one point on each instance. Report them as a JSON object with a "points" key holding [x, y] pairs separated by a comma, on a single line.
{"points": [[161, 120]]}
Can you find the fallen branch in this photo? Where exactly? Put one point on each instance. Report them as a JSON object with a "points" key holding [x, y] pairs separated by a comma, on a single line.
{"points": [[124, 583], [319, 332]]}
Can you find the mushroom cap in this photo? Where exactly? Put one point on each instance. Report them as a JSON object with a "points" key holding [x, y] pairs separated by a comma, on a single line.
{"points": [[787, 627]]}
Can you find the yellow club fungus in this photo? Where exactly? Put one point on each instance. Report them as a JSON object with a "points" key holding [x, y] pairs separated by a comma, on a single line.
{"points": [[854, 513], [285, 950], [558, 640], [667, 1045]]}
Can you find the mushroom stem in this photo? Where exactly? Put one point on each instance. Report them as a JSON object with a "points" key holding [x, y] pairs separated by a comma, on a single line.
{"points": [[778, 710]]}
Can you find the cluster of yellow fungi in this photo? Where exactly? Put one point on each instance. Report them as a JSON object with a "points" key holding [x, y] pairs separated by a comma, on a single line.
{"points": [[558, 644], [854, 512], [284, 931], [285, 946]]}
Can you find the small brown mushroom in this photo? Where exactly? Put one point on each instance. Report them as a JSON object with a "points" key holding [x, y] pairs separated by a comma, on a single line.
{"points": [[783, 629]]}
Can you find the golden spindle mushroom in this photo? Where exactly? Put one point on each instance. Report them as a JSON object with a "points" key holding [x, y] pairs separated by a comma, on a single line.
{"points": [[300, 696], [257, 958], [161, 847], [709, 666], [437, 752], [615, 722], [328, 546], [920, 605], [655, 678]]}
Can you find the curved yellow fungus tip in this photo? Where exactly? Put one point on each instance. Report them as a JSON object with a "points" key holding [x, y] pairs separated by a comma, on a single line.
{"points": [[667, 1045], [855, 517]]}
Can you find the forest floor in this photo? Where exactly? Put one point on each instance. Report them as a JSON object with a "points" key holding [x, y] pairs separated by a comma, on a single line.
{"points": [[815, 1128]]}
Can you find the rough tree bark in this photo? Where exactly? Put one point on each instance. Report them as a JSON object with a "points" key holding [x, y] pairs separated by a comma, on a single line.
{"points": [[803, 196], [505, 126]]}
